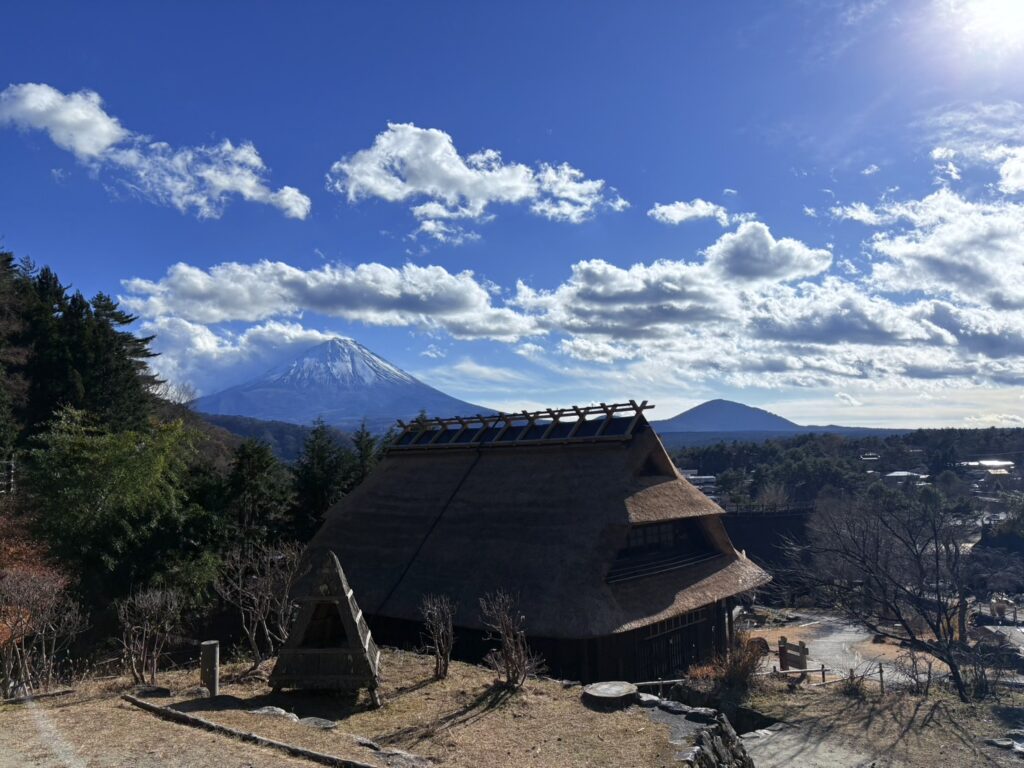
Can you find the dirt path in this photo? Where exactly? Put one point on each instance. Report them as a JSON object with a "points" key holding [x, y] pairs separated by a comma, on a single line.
{"points": [[836, 643], [795, 746]]}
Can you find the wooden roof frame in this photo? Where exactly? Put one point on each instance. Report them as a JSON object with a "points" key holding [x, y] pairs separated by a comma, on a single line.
{"points": [[412, 432]]}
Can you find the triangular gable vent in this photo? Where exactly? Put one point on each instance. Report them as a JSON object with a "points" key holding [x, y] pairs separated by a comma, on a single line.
{"points": [[330, 646]]}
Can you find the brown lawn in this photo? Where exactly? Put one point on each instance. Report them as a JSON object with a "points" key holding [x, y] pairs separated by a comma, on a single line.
{"points": [[464, 721]]}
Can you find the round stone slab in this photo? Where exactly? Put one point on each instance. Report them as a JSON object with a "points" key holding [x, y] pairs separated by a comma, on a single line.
{"points": [[611, 693]]}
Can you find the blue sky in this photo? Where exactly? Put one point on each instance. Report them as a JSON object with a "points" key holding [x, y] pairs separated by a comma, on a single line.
{"points": [[812, 207]]}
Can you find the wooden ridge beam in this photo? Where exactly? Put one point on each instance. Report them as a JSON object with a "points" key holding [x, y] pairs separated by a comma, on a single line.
{"points": [[414, 431]]}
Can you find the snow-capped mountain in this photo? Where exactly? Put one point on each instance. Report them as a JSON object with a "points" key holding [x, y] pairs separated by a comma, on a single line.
{"points": [[340, 381]]}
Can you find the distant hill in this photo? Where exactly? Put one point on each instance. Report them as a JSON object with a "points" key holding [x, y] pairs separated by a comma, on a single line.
{"points": [[340, 381], [726, 416], [724, 420], [285, 440]]}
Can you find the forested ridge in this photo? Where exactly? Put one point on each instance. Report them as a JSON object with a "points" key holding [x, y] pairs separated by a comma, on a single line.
{"points": [[797, 469]]}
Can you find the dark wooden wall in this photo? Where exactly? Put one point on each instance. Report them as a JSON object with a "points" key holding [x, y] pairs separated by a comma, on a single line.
{"points": [[632, 656]]}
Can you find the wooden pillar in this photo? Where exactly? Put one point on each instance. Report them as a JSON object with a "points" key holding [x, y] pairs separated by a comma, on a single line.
{"points": [[783, 656], [209, 666]]}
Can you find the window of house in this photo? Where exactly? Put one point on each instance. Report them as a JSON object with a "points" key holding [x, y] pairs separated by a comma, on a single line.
{"points": [[654, 537]]}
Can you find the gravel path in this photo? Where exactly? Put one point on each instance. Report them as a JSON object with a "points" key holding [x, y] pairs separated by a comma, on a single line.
{"points": [[794, 746]]}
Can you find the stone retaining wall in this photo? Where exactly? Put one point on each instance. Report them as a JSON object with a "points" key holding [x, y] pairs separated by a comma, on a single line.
{"points": [[704, 736]]}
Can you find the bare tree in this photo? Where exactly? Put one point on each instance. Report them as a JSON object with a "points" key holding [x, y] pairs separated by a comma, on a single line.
{"points": [[438, 612], [897, 563], [512, 659], [180, 393], [148, 618], [773, 496], [255, 579], [38, 621], [916, 668]]}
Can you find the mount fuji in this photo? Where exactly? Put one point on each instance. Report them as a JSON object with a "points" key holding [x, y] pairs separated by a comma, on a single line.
{"points": [[340, 381]]}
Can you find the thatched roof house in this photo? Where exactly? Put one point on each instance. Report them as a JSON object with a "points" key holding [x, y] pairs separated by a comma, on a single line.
{"points": [[623, 569]]}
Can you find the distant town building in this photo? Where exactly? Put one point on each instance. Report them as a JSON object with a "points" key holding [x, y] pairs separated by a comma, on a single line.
{"points": [[902, 476]]}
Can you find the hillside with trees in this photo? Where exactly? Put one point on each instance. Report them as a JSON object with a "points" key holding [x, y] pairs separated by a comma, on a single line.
{"points": [[797, 469], [121, 509]]}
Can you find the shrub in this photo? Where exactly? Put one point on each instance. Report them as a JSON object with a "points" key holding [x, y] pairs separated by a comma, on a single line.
{"points": [[38, 622], [734, 670], [148, 618], [512, 660], [852, 686], [916, 668], [438, 612]]}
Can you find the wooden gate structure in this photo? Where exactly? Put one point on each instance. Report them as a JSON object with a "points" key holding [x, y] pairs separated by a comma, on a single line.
{"points": [[792, 656], [330, 646]]}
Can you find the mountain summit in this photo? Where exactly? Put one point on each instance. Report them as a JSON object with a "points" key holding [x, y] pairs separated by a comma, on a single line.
{"points": [[341, 363], [340, 381], [726, 416]]}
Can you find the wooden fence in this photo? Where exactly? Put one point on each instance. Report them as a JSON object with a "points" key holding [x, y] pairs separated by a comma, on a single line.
{"points": [[792, 656]]}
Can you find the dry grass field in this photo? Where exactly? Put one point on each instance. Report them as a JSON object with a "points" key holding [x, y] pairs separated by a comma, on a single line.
{"points": [[463, 722]]}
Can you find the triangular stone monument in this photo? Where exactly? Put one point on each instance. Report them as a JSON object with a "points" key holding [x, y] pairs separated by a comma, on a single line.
{"points": [[330, 646]]}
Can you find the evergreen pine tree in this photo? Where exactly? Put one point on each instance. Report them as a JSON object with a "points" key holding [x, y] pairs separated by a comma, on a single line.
{"points": [[12, 354], [80, 354], [321, 473], [259, 492], [119, 382], [367, 452]]}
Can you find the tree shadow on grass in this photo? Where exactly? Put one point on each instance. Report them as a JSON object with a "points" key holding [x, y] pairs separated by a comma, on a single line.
{"points": [[329, 705], [917, 721], [488, 700], [1011, 717]]}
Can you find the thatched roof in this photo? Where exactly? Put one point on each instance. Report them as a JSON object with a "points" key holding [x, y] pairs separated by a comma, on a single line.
{"points": [[543, 520]]}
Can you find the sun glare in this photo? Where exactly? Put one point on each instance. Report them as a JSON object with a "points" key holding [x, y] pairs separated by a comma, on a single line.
{"points": [[995, 27]]}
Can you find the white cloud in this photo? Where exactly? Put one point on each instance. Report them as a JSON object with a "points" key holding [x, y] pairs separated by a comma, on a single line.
{"points": [[988, 135], [75, 122], [949, 170], [859, 212], [202, 178], [973, 130], [729, 191], [849, 399], [810, 212], [433, 351], [407, 163], [751, 253], [198, 355], [530, 351], [870, 170], [837, 312], [949, 246], [1011, 171], [567, 195], [678, 212], [751, 310], [418, 296], [997, 419], [467, 368]]}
